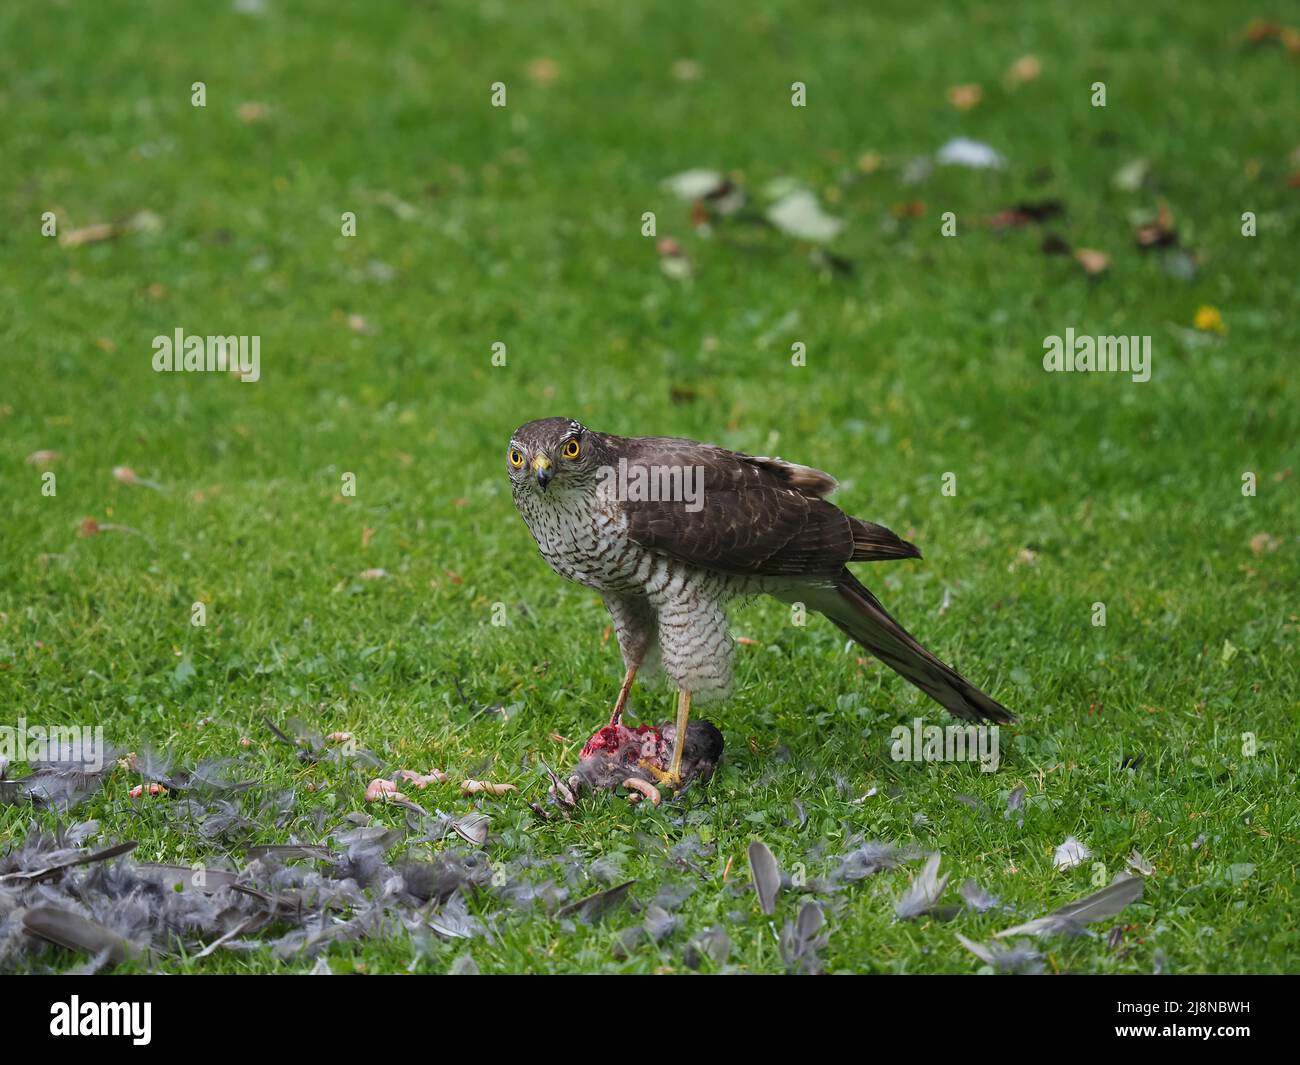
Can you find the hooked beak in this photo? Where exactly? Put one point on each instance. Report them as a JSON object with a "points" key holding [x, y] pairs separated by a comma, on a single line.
{"points": [[544, 471]]}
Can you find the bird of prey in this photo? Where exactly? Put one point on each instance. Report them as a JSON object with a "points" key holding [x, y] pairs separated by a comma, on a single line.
{"points": [[668, 531]]}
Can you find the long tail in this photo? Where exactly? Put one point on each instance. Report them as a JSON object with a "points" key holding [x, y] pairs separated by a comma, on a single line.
{"points": [[855, 610]]}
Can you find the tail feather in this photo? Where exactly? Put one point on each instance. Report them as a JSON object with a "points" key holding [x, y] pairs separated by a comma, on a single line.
{"points": [[859, 613], [875, 543]]}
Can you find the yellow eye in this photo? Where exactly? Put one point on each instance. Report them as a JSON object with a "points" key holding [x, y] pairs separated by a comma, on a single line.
{"points": [[516, 458], [571, 449]]}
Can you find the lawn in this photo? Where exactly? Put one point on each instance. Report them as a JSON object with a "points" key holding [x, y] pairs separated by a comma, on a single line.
{"points": [[416, 614]]}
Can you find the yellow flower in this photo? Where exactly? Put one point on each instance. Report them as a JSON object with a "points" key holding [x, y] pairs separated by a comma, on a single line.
{"points": [[1209, 320]]}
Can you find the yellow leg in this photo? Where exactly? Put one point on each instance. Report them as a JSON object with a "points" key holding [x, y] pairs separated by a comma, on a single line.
{"points": [[679, 745], [621, 702]]}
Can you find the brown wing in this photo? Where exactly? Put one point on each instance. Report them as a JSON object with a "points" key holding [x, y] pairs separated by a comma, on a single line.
{"points": [[758, 515]]}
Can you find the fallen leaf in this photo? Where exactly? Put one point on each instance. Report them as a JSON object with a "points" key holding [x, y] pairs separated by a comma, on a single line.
{"points": [[542, 71], [74, 238], [1093, 262], [1159, 233], [1261, 542], [964, 97], [1025, 69]]}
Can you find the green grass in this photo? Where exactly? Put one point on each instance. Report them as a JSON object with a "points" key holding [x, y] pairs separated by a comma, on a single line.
{"points": [[524, 227]]}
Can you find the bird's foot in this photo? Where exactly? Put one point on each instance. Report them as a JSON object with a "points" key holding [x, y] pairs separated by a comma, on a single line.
{"points": [[663, 776]]}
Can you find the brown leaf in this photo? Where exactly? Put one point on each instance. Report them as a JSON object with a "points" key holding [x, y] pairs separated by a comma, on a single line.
{"points": [[252, 111], [74, 238], [964, 97], [1026, 68], [542, 71], [1261, 542], [1093, 261], [1159, 233]]}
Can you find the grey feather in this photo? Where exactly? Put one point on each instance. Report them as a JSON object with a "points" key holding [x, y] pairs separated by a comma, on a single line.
{"points": [[1019, 958], [595, 907], [766, 875], [923, 894], [71, 930], [977, 898], [1071, 918], [37, 875], [802, 940]]}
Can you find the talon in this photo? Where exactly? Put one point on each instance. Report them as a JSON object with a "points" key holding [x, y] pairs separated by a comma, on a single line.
{"points": [[644, 788], [662, 776]]}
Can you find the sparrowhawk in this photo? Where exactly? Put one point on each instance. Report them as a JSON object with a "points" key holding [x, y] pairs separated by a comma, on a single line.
{"points": [[668, 531]]}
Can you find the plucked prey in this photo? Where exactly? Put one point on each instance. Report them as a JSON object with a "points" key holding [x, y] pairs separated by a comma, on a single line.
{"points": [[668, 531]]}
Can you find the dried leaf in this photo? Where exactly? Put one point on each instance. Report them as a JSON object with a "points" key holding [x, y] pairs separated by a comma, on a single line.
{"points": [[1093, 262], [964, 97], [74, 238]]}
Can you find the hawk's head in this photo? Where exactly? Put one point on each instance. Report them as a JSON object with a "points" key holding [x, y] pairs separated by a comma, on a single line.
{"points": [[551, 450]]}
